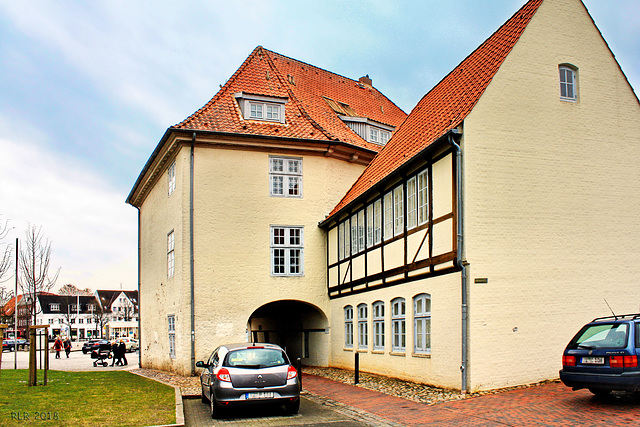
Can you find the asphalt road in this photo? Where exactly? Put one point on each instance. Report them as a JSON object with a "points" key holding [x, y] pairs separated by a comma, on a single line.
{"points": [[76, 361]]}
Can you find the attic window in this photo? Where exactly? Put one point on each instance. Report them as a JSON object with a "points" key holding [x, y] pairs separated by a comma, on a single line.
{"points": [[369, 130], [258, 107]]}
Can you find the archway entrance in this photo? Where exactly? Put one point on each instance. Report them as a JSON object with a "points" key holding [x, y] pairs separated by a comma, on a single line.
{"points": [[300, 328]]}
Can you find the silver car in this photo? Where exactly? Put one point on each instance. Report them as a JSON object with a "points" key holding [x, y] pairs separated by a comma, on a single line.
{"points": [[244, 374]]}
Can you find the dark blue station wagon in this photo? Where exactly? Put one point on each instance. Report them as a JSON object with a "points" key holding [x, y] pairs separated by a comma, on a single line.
{"points": [[603, 356]]}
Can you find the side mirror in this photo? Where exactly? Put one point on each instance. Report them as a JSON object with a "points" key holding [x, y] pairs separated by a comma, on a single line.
{"points": [[201, 364]]}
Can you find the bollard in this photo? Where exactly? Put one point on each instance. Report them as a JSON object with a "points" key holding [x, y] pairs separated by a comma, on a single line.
{"points": [[299, 368], [357, 379]]}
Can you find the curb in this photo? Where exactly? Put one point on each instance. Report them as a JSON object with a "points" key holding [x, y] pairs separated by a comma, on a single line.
{"points": [[179, 404]]}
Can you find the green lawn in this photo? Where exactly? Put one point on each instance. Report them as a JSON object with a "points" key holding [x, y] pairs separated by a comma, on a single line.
{"points": [[115, 398]]}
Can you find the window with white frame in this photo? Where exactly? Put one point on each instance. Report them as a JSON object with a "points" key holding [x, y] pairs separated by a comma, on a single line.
{"points": [[378, 325], [568, 83], [363, 332], [377, 222], [170, 254], [398, 324], [346, 239], [341, 240], [398, 210], [285, 177], [354, 234], [171, 319], [348, 326], [257, 107], [412, 212], [54, 307], [361, 227], [287, 256], [422, 323], [171, 178], [388, 215], [370, 225], [423, 198]]}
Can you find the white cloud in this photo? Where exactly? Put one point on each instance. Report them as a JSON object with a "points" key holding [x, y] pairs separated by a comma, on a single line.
{"points": [[93, 232]]}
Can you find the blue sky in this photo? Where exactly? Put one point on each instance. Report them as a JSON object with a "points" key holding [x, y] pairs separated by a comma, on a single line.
{"points": [[87, 90]]}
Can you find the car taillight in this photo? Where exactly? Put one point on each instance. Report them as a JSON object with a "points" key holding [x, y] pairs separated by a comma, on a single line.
{"points": [[568, 361], [291, 373], [223, 375], [623, 361]]}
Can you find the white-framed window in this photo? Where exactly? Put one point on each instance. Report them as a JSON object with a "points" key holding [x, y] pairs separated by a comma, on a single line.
{"points": [[287, 255], [347, 239], [388, 215], [285, 177], [80, 320], [384, 137], [374, 135], [422, 323], [361, 229], [341, 240], [363, 332], [171, 320], [171, 178], [378, 325], [256, 107], [423, 198], [568, 83], [377, 222], [354, 234], [370, 225], [398, 325], [54, 307], [412, 208], [398, 210], [171, 254], [348, 326]]}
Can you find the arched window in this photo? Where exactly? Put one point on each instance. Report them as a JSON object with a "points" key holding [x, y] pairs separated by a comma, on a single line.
{"points": [[422, 323], [378, 325], [363, 332], [348, 327], [568, 82], [398, 324]]}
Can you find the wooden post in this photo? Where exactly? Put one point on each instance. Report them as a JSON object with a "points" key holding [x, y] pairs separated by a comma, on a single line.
{"points": [[46, 353], [33, 380], [3, 326]]}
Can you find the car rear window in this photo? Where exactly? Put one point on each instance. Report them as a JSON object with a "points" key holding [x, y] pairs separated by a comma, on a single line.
{"points": [[608, 335], [637, 335], [255, 358]]}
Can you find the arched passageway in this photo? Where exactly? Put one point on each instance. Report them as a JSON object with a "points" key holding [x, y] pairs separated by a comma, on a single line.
{"points": [[300, 328]]}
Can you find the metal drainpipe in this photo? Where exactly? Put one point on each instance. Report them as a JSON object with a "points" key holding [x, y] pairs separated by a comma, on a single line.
{"points": [[139, 297], [191, 261], [462, 264]]}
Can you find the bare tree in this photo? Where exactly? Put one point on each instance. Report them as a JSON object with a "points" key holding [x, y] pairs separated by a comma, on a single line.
{"points": [[34, 261], [70, 289], [5, 297], [5, 254], [100, 317]]}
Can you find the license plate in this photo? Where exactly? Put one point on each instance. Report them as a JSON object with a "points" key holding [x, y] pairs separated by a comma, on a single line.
{"points": [[260, 395], [593, 360]]}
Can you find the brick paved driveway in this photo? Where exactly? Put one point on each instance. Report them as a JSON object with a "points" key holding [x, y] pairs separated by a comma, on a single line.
{"points": [[545, 405]]}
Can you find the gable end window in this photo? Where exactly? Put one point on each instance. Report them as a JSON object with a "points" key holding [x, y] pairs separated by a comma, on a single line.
{"points": [[257, 107], [285, 177], [568, 83]]}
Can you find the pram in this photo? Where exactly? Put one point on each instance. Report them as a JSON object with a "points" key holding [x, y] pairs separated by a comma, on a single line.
{"points": [[101, 357]]}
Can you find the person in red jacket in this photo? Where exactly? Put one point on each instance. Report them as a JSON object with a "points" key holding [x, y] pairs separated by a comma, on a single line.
{"points": [[57, 346]]}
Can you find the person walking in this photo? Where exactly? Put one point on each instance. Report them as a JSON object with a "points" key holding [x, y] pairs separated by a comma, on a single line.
{"points": [[67, 346], [122, 348], [115, 351], [57, 346]]}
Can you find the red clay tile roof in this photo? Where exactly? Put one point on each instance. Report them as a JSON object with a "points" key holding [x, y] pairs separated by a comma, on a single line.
{"points": [[307, 114], [446, 105]]}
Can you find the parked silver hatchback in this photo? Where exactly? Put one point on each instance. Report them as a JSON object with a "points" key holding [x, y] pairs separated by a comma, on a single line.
{"points": [[244, 374]]}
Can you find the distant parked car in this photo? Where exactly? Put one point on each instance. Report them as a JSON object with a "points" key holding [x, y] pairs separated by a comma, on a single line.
{"points": [[130, 344], [11, 344], [88, 346], [603, 356], [245, 374], [97, 345]]}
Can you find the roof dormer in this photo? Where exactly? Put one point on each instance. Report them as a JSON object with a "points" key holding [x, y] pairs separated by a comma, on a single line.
{"points": [[260, 107]]}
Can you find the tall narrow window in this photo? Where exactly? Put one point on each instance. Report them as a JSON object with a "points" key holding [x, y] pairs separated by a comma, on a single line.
{"points": [[347, 239], [285, 177], [423, 198], [377, 221], [388, 215], [378, 325], [348, 326], [370, 225], [422, 323], [412, 217], [171, 178], [341, 241], [363, 332], [170, 254], [361, 231], [354, 234], [568, 86], [287, 245], [398, 210], [398, 324], [171, 319]]}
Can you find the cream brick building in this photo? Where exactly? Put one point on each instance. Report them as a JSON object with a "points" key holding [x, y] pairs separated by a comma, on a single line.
{"points": [[485, 232]]}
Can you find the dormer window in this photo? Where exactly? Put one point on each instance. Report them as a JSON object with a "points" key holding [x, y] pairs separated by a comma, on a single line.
{"points": [[369, 130], [257, 107], [54, 307]]}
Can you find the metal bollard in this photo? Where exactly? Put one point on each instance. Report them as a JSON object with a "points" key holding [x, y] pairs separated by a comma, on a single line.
{"points": [[357, 379], [299, 368]]}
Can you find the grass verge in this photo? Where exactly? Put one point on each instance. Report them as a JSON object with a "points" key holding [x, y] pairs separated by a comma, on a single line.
{"points": [[115, 398]]}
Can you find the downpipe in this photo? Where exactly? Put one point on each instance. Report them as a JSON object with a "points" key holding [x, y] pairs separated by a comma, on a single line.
{"points": [[461, 263]]}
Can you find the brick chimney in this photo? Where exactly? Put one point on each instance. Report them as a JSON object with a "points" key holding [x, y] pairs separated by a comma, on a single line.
{"points": [[365, 80]]}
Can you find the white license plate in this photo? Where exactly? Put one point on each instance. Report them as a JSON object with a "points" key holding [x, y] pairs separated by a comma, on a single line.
{"points": [[593, 360], [260, 395]]}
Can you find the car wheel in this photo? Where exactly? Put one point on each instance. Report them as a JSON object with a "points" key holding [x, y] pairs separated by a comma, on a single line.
{"points": [[292, 408], [215, 409]]}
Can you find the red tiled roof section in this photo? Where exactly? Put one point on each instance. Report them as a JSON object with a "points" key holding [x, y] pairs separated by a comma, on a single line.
{"points": [[446, 105], [307, 113]]}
